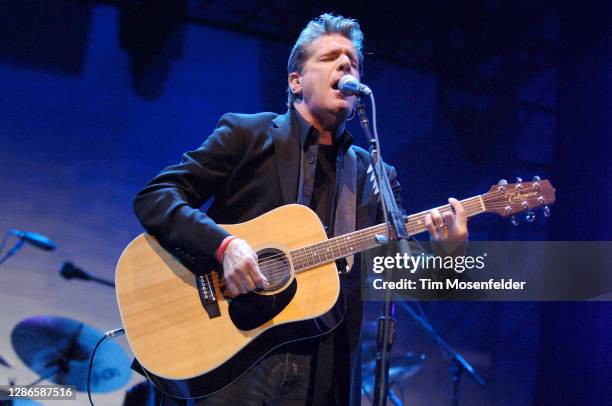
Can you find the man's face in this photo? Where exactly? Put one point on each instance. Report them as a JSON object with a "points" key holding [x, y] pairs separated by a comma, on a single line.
{"points": [[329, 58]]}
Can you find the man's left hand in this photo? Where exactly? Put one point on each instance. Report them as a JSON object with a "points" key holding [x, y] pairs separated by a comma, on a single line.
{"points": [[448, 226]]}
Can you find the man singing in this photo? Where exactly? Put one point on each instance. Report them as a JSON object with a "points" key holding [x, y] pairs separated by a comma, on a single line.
{"points": [[252, 164]]}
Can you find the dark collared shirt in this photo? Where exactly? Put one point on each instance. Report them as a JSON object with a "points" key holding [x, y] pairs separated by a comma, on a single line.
{"points": [[319, 168]]}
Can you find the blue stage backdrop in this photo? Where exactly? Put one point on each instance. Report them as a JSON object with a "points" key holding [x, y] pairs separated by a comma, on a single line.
{"points": [[85, 123]]}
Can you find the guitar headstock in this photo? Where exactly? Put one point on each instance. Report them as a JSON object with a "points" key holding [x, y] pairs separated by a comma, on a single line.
{"points": [[507, 199]]}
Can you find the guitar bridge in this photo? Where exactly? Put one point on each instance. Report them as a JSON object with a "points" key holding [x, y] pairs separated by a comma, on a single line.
{"points": [[207, 294]]}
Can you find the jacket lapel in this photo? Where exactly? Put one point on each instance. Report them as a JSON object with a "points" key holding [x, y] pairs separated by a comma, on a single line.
{"points": [[287, 156]]}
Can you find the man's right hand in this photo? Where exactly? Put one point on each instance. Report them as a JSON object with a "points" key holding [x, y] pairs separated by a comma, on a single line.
{"points": [[240, 268]]}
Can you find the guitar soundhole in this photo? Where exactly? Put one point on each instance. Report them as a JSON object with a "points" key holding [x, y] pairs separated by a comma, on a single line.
{"points": [[275, 266]]}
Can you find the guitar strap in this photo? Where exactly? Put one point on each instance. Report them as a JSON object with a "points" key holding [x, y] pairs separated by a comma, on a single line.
{"points": [[346, 200]]}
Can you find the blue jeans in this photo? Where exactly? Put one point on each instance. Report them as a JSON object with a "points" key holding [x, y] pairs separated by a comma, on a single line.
{"points": [[280, 379]]}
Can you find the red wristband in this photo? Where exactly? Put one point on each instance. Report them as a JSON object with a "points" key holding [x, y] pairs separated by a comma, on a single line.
{"points": [[223, 246]]}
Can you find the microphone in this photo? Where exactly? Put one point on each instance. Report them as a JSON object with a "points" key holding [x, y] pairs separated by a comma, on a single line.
{"points": [[350, 86], [37, 240], [70, 271]]}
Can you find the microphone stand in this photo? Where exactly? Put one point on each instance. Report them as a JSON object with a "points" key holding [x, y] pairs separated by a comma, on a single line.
{"points": [[12, 251], [459, 365], [396, 239]]}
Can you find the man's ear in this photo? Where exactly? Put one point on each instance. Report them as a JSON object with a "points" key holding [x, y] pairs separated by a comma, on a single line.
{"points": [[294, 84]]}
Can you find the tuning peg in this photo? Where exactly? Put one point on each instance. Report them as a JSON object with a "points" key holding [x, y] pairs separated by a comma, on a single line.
{"points": [[515, 221], [519, 184], [546, 211], [502, 182], [536, 183], [530, 216]]}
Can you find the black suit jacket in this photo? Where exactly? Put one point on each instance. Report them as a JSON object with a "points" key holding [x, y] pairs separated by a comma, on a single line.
{"points": [[250, 164]]}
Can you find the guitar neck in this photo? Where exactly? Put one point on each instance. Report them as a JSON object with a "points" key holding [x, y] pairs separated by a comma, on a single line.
{"points": [[342, 246]]}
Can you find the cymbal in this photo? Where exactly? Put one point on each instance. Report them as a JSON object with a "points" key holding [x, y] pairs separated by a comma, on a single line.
{"points": [[59, 349]]}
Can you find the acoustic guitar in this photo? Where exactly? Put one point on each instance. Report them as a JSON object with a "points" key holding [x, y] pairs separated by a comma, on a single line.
{"points": [[192, 339]]}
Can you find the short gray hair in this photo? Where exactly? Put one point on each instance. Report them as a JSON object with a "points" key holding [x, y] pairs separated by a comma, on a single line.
{"points": [[326, 24]]}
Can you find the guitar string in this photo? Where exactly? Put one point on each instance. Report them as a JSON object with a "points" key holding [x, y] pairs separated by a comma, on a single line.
{"points": [[469, 204], [303, 257], [305, 262], [409, 223], [361, 237], [302, 261], [415, 223], [360, 240]]}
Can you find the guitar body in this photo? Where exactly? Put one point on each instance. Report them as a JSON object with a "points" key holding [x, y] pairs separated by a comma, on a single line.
{"points": [[186, 352]]}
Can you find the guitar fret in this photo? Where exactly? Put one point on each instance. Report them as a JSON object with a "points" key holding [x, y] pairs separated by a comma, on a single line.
{"points": [[315, 256], [295, 258], [305, 258], [311, 260], [328, 251]]}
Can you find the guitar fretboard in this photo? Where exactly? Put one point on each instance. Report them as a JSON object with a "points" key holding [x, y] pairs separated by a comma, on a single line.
{"points": [[342, 246]]}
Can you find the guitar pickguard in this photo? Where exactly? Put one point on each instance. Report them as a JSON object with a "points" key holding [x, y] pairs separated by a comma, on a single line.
{"points": [[251, 310]]}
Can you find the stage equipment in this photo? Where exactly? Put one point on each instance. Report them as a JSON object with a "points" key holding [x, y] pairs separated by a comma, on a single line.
{"points": [[459, 365], [69, 271], [395, 240], [350, 86], [37, 240], [401, 367], [59, 349]]}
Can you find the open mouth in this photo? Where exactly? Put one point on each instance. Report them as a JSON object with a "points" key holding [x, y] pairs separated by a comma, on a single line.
{"points": [[335, 84]]}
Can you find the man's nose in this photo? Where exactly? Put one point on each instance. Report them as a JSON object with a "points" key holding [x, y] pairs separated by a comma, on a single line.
{"points": [[344, 64]]}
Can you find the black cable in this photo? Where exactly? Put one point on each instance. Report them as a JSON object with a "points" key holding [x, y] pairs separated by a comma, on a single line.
{"points": [[93, 354], [109, 334]]}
